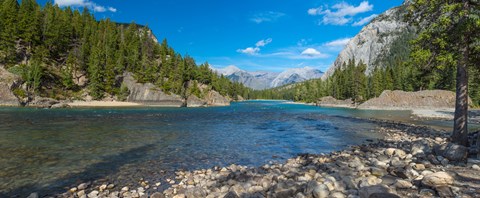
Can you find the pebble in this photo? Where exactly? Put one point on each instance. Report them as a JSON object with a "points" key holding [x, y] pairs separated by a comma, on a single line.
{"points": [[475, 167], [81, 193], [403, 184], [73, 190], [102, 187], [321, 191], [387, 169], [82, 186], [419, 167]]}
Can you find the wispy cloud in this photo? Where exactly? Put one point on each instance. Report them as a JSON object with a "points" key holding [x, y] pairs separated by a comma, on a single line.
{"points": [[255, 50], [341, 13], [365, 20], [338, 43], [85, 3], [297, 53], [266, 17]]}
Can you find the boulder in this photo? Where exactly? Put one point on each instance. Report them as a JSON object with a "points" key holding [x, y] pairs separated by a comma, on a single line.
{"points": [[438, 179], [216, 99], [444, 191], [41, 102], [456, 153], [321, 191], [376, 191], [194, 101], [402, 184], [149, 94]]}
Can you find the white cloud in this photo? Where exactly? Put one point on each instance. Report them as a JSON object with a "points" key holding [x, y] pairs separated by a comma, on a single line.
{"points": [[341, 13], [249, 50], [262, 43], [255, 50], [62, 3], [98, 8], [112, 9], [85, 3], [310, 53], [365, 20], [266, 17], [338, 43], [314, 11]]}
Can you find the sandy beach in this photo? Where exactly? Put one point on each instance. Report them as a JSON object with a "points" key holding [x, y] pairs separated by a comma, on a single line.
{"points": [[102, 104]]}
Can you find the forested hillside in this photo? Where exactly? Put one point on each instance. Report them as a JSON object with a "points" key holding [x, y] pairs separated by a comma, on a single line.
{"points": [[64, 53], [406, 65]]}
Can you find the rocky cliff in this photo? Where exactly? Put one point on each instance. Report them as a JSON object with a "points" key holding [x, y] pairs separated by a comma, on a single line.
{"points": [[8, 82], [214, 98], [149, 94], [374, 42]]}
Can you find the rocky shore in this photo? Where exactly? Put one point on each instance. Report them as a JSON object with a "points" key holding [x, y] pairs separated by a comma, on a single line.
{"points": [[410, 161]]}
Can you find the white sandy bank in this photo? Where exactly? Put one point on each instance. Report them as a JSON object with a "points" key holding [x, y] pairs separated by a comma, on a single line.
{"points": [[102, 104]]}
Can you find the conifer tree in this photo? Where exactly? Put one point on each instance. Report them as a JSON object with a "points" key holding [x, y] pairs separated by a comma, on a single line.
{"points": [[9, 31]]}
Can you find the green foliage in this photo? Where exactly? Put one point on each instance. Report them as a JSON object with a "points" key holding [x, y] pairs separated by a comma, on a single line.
{"points": [[19, 93], [59, 43], [8, 31], [123, 93]]}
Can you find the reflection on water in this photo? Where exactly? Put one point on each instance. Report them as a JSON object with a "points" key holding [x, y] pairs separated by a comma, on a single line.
{"points": [[53, 148]]}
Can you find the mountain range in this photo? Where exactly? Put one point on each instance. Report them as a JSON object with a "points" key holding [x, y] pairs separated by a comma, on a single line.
{"points": [[260, 80]]}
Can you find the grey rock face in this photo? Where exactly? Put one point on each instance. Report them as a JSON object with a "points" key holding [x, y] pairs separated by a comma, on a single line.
{"points": [[7, 82], [194, 101], [373, 40], [149, 94], [216, 99], [41, 102]]}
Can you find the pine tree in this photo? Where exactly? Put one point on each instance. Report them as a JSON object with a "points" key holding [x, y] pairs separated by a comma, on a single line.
{"points": [[450, 40], [96, 84], [9, 31], [29, 25]]}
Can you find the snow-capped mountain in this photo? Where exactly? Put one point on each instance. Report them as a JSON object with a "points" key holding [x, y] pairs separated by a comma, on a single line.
{"points": [[264, 80], [296, 75]]}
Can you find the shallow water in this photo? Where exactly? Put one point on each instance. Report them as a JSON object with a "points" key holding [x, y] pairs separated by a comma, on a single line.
{"points": [[48, 149]]}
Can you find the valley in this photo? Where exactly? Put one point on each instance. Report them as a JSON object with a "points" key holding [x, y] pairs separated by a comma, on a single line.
{"points": [[335, 99]]}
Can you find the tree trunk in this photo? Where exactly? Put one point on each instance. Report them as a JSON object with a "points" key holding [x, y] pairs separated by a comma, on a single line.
{"points": [[460, 128]]}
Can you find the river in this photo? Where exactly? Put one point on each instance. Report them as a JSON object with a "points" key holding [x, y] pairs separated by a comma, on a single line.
{"points": [[47, 149]]}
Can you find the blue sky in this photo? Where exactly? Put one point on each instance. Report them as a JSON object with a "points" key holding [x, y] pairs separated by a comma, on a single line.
{"points": [[266, 35]]}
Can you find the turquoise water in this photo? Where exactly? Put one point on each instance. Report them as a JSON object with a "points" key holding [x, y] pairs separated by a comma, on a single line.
{"points": [[46, 149]]}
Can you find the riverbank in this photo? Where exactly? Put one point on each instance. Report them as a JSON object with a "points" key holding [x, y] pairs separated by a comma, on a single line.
{"points": [[410, 161], [102, 104]]}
